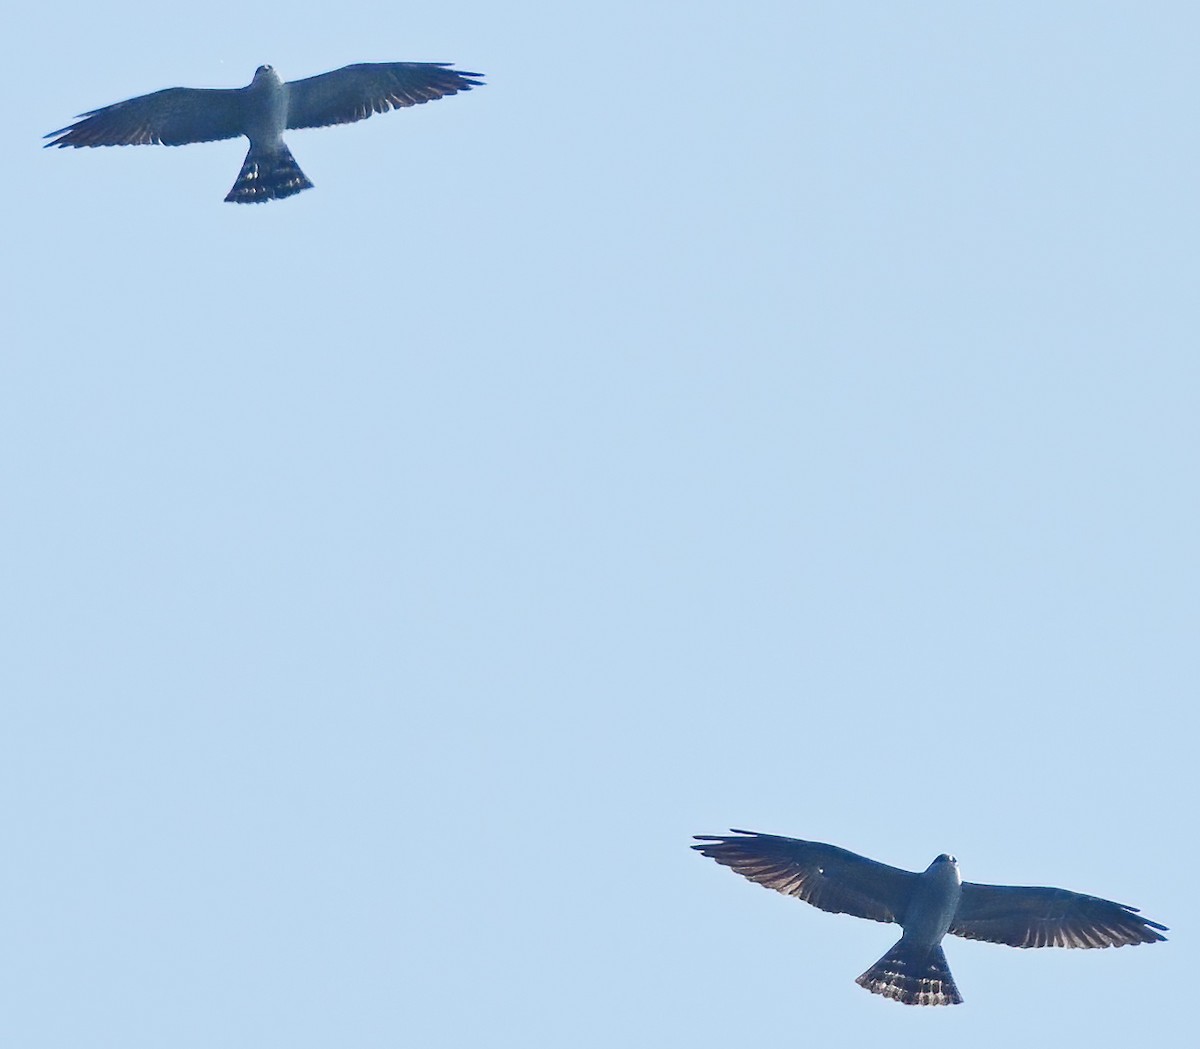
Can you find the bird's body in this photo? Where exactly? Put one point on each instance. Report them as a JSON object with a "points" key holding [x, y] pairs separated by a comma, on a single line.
{"points": [[934, 901], [267, 107], [927, 906], [269, 172], [262, 111], [915, 971]]}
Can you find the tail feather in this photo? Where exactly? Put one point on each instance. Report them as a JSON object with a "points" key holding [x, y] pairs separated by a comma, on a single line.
{"points": [[912, 975], [268, 175]]}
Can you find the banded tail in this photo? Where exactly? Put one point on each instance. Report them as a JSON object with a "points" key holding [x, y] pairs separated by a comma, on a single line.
{"points": [[268, 175], [912, 974]]}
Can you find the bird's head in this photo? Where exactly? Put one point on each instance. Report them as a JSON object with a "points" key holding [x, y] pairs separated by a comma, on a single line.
{"points": [[264, 77], [944, 869]]}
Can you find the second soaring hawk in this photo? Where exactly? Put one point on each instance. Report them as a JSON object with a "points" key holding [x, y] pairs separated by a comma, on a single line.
{"points": [[262, 111], [927, 906]]}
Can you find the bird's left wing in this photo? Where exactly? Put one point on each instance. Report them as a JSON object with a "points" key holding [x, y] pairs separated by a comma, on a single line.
{"points": [[833, 879], [1029, 916], [172, 117], [355, 92]]}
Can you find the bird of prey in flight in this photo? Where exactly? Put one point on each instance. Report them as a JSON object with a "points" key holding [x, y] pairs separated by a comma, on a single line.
{"points": [[262, 111], [926, 906]]}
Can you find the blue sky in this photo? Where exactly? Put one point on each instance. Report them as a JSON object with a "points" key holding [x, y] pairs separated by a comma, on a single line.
{"points": [[779, 417]]}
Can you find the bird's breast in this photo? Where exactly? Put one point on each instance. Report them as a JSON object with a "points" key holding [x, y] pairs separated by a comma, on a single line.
{"points": [[934, 901], [266, 108]]}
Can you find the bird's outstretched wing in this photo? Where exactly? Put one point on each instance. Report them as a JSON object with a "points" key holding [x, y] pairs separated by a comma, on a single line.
{"points": [[355, 92], [1028, 916], [172, 117], [824, 875]]}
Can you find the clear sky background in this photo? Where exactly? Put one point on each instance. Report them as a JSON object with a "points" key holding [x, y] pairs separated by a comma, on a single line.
{"points": [[776, 415]]}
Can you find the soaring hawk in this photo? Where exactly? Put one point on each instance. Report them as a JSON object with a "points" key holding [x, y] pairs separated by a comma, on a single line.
{"points": [[262, 111], [926, 906]]}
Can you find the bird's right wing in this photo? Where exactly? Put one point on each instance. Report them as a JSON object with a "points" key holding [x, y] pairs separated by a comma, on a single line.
{"points": [[172, 117], [355, 92], [1035, 916], [833, 879]]}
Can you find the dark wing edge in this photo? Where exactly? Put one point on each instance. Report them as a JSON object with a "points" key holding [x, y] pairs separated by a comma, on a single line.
{"points": [[359, 91], [1035, 916], [825, 876], [175, 116]]}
